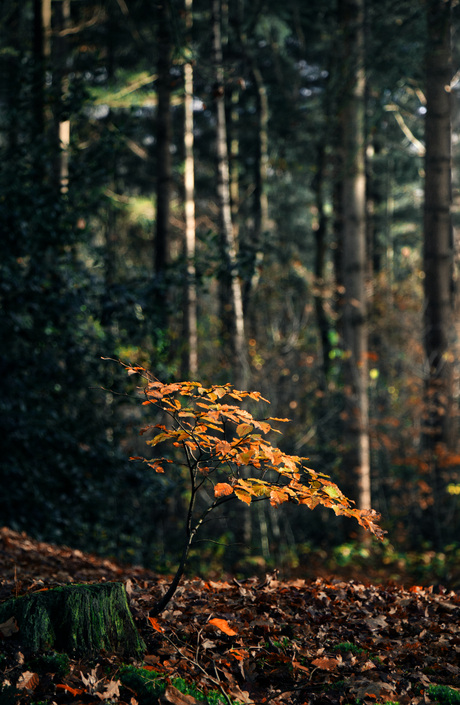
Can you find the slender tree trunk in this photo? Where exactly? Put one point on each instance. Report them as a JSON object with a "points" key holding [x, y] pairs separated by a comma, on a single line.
{"points": [[260, 192], [42, 33], [234, 155], [12, 79], [228, 240], [320, 261], [60, 80], [354, 248], [190, 313], [164, 140], [438, 247]]}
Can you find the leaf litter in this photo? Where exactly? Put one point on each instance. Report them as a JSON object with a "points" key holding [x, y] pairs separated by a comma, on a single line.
{"points": [[252, 641]]}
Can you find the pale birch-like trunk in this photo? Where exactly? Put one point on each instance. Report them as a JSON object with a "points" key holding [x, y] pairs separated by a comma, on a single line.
{"points": [[227, 234], [190, 314], [438, 247], [234, 155], [354, 324]]}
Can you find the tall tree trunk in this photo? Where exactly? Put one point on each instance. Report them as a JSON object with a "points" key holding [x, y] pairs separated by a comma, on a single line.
{"points": [[11, 76], [354, 248], [260, 192], [164, 140], [234, 166], [42, 33], [227, 236], [190, 313], [60, 80], [438, 247], [320, 261]]}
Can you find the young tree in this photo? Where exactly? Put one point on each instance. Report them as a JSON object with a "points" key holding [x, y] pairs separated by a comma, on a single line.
{"points": [[438, 247], [222, 449]]}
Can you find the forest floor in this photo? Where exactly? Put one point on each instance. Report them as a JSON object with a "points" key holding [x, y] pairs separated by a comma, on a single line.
{"points": [[325, 640]]}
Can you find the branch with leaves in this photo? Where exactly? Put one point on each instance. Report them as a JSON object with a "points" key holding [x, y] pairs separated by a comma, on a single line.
{"points": [[218, 440]]}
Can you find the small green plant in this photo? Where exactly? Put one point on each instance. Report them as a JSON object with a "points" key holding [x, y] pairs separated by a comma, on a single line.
{"points": [[215, 443], [348, 646], [150, 685], [146, 684], [443, 694], [51, 663]]}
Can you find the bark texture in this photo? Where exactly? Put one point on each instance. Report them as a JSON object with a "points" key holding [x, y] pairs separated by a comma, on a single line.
{"points": [[438, 247], [354, 247], [190, 313], [164, 140], [60, 87], [227, 234], [80, 620]]}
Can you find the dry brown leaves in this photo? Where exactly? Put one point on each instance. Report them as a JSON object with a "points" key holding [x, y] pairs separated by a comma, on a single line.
{"points": [[256, 641]]}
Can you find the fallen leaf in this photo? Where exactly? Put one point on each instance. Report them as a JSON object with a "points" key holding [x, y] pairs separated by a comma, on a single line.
{"points": [[172, 695], [73, 691], [155, 624], [151, 658], [327, 664], [28, 680], [368, 665], [111, 690], [9, 627], [224, 626], [376, 622]]}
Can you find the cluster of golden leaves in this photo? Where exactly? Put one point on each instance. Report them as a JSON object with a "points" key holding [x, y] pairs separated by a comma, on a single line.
{"points": [[220, 436]]}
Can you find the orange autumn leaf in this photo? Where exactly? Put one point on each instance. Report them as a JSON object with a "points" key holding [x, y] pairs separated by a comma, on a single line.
{"points": [[155, 624], [243, 495], [28, 681], [222, 489], [73, 691], [224, 626]]}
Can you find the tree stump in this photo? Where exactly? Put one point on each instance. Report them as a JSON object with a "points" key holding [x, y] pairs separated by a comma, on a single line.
{"points": [[79, 620]]}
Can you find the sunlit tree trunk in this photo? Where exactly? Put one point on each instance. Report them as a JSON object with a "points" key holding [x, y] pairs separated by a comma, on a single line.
{"points": [[190, 313], [354, 248], [227, 235], [438, 248], [164, 141]]}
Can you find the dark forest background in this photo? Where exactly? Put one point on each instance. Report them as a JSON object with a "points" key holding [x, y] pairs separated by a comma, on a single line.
{"points": [[282, 112]]}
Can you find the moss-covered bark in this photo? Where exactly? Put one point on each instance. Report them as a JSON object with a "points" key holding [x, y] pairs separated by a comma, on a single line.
{"points": [[79, 620]]}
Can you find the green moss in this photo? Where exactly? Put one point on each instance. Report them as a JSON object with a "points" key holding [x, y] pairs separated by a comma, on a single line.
{"points": [[443, 694], [79, 620], [50, 663], [149, 685], [348, 646], [146, 684]]}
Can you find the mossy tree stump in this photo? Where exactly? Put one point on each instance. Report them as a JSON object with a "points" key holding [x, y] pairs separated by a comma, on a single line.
{"points": [[79, 620]]}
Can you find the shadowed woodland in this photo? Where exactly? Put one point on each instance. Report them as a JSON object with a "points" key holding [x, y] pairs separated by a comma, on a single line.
{"points": [[240, 201], [259, 194]]}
